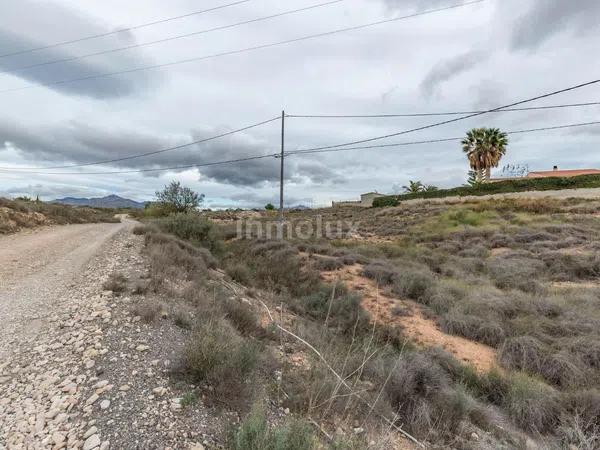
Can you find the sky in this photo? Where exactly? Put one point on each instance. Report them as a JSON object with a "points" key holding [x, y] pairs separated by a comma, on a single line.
{"points": [[477, 56]]}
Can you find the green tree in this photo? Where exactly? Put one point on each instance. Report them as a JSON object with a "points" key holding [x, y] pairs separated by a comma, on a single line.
{"points": [[484, 148], [475, 178], [413, 187], [430, 188], [270, 207], [179, 198]]}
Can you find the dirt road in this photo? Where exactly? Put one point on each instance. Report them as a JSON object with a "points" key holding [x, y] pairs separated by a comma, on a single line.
{"points": [[52, 312], [38, 269]]}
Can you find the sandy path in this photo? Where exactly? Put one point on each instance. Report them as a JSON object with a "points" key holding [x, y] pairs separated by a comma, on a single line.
{"points": [[419, 328], [38, 268]]}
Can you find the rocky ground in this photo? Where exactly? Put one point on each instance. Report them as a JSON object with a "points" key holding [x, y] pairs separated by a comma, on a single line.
{"points": [[45, 378], [92, 374]]}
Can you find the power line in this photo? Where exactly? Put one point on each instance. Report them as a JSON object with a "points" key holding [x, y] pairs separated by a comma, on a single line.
{"points": [[196, 33], [454, 113], [156, 152], [434, 141], [445, 122], [245, 50], [296, 152], [121, 30], [190, 166]]}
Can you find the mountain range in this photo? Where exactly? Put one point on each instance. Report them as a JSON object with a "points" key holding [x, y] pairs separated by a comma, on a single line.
{"points": [[110, 201]]}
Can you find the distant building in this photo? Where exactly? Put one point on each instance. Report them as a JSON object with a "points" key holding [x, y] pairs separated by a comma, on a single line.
{"points": [[366, 200], [555, 172]]}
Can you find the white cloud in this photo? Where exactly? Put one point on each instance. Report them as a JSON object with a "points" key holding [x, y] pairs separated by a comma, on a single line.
{"points": [[376, 70]]}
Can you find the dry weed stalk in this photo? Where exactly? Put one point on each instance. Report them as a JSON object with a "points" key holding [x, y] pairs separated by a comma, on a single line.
{"points": [[340, 379]]}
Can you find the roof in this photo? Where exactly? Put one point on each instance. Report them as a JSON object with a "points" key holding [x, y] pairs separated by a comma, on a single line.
{"points": [[563, 173]]}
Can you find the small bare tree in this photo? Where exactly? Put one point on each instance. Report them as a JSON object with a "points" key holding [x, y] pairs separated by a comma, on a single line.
{"points": [[179, 198]]}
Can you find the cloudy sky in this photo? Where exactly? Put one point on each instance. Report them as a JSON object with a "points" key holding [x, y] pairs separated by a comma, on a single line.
{"points": [[477, 56]]}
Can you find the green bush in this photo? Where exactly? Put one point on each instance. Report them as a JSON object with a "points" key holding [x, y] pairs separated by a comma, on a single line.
{"points": [[156, 210], [533, 405], [501, 187], [344, 310], [255, 434], [381, 202], [193, 228]]}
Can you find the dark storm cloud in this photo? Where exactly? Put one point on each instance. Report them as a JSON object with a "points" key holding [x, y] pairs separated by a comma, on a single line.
{"points": [[81, 144], [447, 69], [13, 39], [547, 18]]}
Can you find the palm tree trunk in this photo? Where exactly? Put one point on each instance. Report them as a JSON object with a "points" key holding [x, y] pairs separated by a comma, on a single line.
{"points": [[488, 173]]}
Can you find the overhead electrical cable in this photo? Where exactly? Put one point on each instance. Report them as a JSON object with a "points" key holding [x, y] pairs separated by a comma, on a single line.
{"points": [[121, 30], [453, 113], [292, 153], [156, 152], [434, 141], [172, 38], [160, 169], [458, 119], [243, 50]]}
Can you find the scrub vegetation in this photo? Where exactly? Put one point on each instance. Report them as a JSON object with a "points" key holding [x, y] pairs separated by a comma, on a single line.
{"points": [[268, 329]]}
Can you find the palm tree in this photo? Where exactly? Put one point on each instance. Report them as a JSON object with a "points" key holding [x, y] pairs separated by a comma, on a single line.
{"points": [[485, 147], [413, 187]]}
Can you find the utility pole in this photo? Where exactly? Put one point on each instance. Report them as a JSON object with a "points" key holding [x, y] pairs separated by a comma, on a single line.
{"points": [[282, 166]]}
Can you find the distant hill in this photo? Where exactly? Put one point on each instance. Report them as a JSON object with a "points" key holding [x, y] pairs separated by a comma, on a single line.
{"points": [[110, 201]]}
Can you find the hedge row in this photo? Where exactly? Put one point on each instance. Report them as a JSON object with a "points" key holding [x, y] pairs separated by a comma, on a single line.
{"points": [[501, 187]]}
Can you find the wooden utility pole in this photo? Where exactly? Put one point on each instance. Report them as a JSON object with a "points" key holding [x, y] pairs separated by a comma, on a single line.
{"points": [[282, 166]]}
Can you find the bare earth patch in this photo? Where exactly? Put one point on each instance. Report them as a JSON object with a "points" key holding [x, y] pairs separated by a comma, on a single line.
{"points": [[422, 330]]}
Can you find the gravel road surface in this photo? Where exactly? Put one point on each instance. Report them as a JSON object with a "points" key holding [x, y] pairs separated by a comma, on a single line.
{"points": [[38, 268]]}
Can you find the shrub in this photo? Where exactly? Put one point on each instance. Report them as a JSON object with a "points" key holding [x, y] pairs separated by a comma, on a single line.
{"points": [[139, 230], [419, 390], [327, 264], [254, 433], [469, 217], [564, 369], [239, 272], [517, 185], [588, 349], [117, 282], [413, 283], [381, 271], [343, 311], [472, 327], [382, 202], [533, 405], [170, 257], [242, 317], [182, 318], [217, 355], [193, 228], [147, 310], [523, 353], [566, 267], [584, 403], [276, 265], [515, 273]]}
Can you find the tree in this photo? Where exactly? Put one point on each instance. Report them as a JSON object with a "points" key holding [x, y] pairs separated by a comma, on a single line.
{"points": [[413, 187], [484, 147], [270, 207], [475, 178], [179, 198], [430, 188]]}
